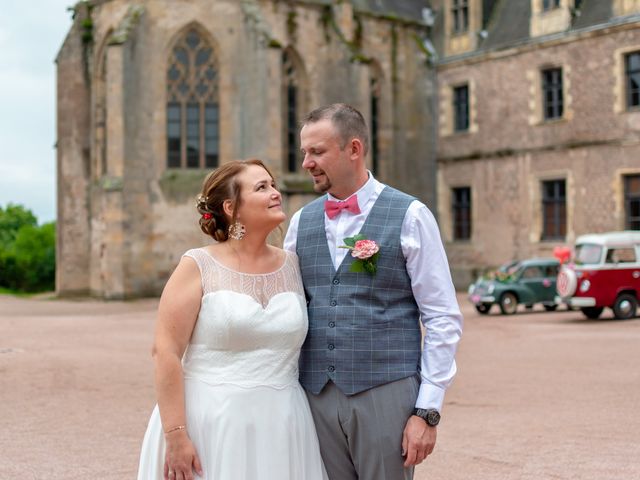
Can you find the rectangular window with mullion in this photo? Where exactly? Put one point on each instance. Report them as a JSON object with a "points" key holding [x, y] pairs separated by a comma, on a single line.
{"points": [[550, 4], [461, 210], [632, 74], [552, 97], [632, 202], [193, 135], [174, 128], [554, 210], [460, 15], [461, 108]]}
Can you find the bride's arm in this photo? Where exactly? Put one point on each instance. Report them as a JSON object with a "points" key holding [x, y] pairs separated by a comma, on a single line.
{"points": [[177, 314]]}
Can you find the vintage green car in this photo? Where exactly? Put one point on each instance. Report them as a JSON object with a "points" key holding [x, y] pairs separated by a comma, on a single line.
{"points": [[523, 282]]}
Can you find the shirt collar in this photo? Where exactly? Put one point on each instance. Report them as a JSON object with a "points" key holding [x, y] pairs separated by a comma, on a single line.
{"points": [[364, 194]]}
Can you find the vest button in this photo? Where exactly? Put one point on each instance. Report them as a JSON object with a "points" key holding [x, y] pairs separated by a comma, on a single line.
{"points": [[332, 324], [331, 346], [331, 368], [333, 303], [336, 281]]}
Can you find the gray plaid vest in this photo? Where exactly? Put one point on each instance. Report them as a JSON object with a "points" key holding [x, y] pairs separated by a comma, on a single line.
{"points": [[364, 330]]}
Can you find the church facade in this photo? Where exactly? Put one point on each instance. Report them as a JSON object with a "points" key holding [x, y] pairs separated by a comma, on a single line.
{"points": [[153, 94], [517, 122]]}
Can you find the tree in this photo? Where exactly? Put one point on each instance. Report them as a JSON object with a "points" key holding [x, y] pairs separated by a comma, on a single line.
{"points": [[27, 251], [11, 220]]}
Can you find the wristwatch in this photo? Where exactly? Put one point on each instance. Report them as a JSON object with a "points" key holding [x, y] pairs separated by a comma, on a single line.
{"points": [[429, 415]]}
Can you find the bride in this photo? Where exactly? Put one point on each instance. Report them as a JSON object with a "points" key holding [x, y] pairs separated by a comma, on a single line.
{"points": [[231, 321]]}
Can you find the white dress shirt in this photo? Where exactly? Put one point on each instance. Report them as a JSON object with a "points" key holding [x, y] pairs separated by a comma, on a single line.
{"points": [[431, 283]]}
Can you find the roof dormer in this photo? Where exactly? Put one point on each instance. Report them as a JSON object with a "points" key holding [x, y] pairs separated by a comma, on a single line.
{"points": [[462, 24], [625, 7], [550, 16]]}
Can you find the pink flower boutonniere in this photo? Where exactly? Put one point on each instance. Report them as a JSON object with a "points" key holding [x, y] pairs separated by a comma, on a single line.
{"points": [[365, 252]]}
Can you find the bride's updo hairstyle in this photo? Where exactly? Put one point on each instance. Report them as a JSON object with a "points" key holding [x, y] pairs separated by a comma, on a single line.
{"points": [[220, 185]]}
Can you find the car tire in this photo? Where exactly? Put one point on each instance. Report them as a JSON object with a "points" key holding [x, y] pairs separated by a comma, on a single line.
{"points": [[625, 306], [592, 312], [508, 303], [483, 308], [550, 308]]}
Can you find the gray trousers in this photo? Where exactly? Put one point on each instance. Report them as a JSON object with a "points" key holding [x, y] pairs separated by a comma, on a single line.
{"points": [[361, 435]]}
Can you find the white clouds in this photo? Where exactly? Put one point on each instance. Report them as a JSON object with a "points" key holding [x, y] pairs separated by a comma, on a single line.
{"points": [[31, 34]]}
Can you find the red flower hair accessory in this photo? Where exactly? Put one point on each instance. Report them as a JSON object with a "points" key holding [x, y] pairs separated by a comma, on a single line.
{"points": [[207, 216]]}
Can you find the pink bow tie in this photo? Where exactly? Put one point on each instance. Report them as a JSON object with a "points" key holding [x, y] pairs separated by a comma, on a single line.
{"points": [[334, 208]]}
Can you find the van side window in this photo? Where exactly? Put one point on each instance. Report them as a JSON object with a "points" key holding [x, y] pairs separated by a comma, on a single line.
{"points": [[621, 255]]}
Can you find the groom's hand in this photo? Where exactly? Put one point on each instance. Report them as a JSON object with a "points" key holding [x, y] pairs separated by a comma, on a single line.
{"points": [[418, 440]]}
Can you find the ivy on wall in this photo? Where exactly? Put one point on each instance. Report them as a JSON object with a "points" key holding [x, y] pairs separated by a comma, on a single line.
{"points": [[328, 21]]}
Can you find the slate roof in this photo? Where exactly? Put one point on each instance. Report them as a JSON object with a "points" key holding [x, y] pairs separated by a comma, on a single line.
{"points": [[593, 12], [410, 9], [507, 21]]}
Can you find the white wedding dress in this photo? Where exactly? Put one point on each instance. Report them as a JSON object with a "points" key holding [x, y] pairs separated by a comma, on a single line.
{"points": [[246, 413]]}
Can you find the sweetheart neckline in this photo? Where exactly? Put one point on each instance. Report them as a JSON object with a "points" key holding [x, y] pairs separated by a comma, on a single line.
{"points": [[264, 307]]}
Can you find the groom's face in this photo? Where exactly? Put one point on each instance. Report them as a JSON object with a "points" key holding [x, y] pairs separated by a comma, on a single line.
{"points": [[324, 158]]}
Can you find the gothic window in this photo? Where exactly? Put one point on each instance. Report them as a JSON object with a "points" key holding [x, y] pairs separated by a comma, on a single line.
{"points": [[375, 89], [100, 112], [632, 74], [554, 210], [550, 4], [461, 108], [632, 202], [193, 138], [552, 97], [461, 210], [292, 91], [460, 15]]}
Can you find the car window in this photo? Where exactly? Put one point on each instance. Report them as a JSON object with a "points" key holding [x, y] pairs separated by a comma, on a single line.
{"points": [[588, 254], [551, 270], [621, 255], [532, 272]]}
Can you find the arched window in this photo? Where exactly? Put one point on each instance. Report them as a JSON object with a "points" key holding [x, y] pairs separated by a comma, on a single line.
{"points": [[99, 166], [193, 125], [100, 116], [292, 108], [375, 88]]}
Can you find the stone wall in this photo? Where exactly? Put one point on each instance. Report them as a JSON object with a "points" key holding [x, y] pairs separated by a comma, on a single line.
{"points": [[514, 149]]}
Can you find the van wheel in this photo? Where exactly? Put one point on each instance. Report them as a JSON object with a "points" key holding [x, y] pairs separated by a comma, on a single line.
{"points": [[550, 308], [625, 306], [592, 312], [508, 303]]}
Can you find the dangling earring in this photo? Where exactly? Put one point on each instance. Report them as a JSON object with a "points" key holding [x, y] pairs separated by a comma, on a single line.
{"points": [[237, 231]]}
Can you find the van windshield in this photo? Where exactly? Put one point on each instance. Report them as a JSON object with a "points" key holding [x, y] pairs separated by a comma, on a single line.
{"points": [[588, 254]]}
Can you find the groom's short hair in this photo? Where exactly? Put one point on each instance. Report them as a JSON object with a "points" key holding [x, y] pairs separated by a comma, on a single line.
{"points": [[347, 120]]}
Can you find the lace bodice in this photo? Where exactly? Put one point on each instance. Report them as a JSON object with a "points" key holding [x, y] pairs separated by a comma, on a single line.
{"points": [[261, 286], [250, 327]]}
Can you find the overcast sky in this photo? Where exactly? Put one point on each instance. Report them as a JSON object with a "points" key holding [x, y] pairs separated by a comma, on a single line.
{"points": [[31, 33]]}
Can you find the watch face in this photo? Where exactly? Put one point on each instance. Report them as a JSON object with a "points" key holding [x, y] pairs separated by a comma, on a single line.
{"points": [[433, 418]]}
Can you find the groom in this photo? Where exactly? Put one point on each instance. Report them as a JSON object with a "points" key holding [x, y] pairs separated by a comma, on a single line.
{"points": [[374, 393]]}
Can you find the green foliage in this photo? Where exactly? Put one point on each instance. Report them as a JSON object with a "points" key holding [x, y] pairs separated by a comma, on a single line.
{"points": [[27, 251], [12, 219]]}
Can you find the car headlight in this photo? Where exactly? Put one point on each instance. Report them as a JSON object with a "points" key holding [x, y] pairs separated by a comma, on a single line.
{"points": [[584, 286], [492, 287]]}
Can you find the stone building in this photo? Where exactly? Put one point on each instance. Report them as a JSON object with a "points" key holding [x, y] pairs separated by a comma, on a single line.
{"points": [[539, 125], [152, 94]]}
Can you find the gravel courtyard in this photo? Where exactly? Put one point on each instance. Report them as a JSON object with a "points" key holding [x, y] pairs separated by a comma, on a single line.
{"points": [[538, 395]]}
